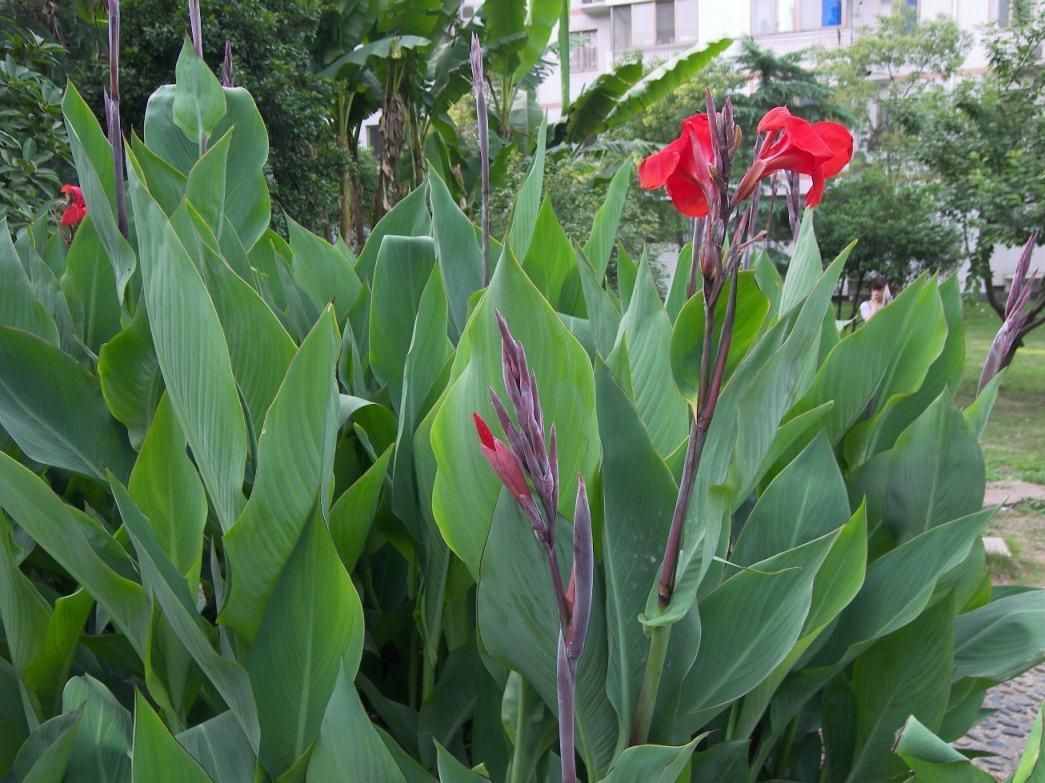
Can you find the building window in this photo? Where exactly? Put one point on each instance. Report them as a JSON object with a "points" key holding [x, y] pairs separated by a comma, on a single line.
{"points": [[584, 56], [620, 20], [785, 16], [665, 21]]}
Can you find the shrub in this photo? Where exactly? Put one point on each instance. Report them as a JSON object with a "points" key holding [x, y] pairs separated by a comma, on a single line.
{"points": [[251, 535]]}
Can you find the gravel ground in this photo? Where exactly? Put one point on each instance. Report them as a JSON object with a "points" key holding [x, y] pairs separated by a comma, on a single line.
{"points": [[1004, 733]]}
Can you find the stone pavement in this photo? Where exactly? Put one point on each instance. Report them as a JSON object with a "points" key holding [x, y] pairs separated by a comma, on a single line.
{"points": [[1004, 733]]}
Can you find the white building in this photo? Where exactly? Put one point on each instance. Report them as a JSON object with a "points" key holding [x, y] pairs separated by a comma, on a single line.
{"points": [[605, 31]]}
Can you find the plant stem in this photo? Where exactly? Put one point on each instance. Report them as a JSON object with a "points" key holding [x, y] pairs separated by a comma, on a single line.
{"points": [[566, 688], [660, 636], [564, 56]]}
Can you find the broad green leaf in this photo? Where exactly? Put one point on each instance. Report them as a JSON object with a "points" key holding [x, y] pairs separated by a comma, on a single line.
{"points": [[40, 639], [165, 485], [934, 473], [458, 249], [687, 337], [602, 307], [932, 760], [588, 113], [888, 355], [206, 184], [906, 673], [900, 583], [157, 757], [247, 200], [54, 410], [774, 598], [663, 80], [791, 438], [322, 272], [221, 749], [527, 204], [651, 763], [679, 283], [1031, 768], [466, 490], [19, 307], [171, 592], [550, 259], [13, 719], [89, 287], [453, 771], [199, 101], [69, 536], [94, 167], [44, 758], [424, 377], [102, 745], [259, 347], [646, 328], [404, 267], [541, 16], [165, 182], [389, 47], [348, 740], [312, 627], [193, 355], [528, 726], [638, 498], [295, 462], [627, 271], [408, 218], [899, 410], [519, 626], [353, 513], [130, 377], [769, 282], [764, 386], [804, 267], [599, 246], [1001, 640], [805, 501], [979, 411]]}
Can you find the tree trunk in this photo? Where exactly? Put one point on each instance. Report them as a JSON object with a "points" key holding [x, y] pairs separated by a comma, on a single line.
{"points": [[393, 127]]}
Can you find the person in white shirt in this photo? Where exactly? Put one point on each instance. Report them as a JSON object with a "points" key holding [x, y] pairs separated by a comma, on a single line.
{"points": [[879, 298]]}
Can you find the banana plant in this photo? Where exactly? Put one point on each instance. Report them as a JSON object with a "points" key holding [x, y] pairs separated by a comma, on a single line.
{"points": [[250, 533]]}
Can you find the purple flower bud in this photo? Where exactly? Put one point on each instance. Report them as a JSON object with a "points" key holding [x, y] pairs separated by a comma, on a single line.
{"points": [[582, 576], [196, 26], [228, 76]]}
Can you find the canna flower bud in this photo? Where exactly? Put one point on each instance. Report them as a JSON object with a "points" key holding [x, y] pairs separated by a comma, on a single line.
{"points": [[503, 461], [582, 576]]}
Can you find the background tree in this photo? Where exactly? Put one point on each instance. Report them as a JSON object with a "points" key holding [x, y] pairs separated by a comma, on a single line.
{"points": [[983, 139], [34, 149], [900, 230]]}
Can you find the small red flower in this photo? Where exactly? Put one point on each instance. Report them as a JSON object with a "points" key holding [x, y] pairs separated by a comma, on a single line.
{"points": [[682, 168], [502, 459], [817, 149], [76, 207]]}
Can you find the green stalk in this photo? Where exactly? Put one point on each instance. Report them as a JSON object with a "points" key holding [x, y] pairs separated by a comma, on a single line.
{"points": [[564, 56], [660, 636]]}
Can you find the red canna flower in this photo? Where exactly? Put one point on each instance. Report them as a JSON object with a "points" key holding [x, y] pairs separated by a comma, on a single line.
{"points": [[817, 149], [682, 168], [502, 459], [75, 209]]}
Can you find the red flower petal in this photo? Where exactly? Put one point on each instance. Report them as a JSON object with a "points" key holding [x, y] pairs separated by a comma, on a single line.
{"points": [[774, 119], [840, 141], [485, 436], [655, 170], [687, 196]]}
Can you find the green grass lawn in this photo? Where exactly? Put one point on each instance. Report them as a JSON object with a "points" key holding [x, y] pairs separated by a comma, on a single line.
{"points": [[1014, 443]]}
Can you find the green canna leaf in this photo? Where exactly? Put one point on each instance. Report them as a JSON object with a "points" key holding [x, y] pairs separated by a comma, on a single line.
{"points": [[54, 409], [207, 181], [550, 259], [130, 377], [192, 353], [458, 249], [44, 758], [156, 756], [199, 101], [90, 287], [19, 306], [101, 750], [646, 328]]}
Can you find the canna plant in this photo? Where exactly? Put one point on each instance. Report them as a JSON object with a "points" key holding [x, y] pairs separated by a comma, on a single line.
{"points": [[272, 511]]}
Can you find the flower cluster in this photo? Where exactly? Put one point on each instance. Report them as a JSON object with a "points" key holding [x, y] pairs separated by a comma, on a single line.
{"points": [[75, 207], [818, 150]]}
